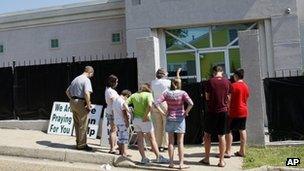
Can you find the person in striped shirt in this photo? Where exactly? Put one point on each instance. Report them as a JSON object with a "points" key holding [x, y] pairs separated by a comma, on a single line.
{"points": [[175, 98]]}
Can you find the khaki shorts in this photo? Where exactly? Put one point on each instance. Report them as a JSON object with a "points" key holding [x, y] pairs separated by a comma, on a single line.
{"points": [[140, 126]]}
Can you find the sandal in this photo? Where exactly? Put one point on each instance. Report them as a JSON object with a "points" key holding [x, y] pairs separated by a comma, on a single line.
{"points": [[171, 166], [238, 154], [112, 152], [183, 167], [221, 164], [207, 163], [225, 156]]}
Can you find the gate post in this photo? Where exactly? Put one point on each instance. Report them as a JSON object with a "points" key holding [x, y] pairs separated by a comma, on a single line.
{"points": [[14, 89]]}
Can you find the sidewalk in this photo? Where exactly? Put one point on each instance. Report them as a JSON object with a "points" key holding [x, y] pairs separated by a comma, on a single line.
{"points": [[37, 144]]}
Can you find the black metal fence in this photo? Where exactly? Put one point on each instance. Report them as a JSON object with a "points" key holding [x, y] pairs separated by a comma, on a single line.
{"points": [[285, 107], [28, 92]]}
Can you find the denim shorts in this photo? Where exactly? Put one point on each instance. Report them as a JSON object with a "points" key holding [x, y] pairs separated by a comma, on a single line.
{"points": [[178, 126], [122, 134]]}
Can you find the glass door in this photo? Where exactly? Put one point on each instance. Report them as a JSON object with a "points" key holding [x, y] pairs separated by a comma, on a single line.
{"points": [[210, 59]]}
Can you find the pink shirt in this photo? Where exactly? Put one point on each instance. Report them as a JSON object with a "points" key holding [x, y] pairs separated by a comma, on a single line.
{"points": [[175, 100]]}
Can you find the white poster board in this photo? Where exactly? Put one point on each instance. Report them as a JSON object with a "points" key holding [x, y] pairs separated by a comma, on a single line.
{"points": [[94, 118], [61, 120], [105, 134]]}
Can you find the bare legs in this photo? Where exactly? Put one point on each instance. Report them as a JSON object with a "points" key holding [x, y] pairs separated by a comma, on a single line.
{"points": [[113, 137], [180, 143], [243, 138], [207, 145], [222, 147], [171, 149], [229, 140], [140, 143]]}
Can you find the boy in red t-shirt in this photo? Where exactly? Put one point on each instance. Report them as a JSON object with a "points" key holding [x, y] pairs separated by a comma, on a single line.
{"points": [[238, 112]]}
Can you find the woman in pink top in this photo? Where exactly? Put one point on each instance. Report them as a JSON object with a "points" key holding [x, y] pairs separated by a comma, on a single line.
{"points": [[176, 114]]}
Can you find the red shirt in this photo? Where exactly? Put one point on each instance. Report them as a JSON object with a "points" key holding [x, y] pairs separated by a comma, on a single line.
{"points": [[239, 97], [218, 89]]}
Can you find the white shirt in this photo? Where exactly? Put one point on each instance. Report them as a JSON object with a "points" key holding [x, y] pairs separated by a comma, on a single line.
{"points": [[110, 94], [159, 86], [117, 110]]}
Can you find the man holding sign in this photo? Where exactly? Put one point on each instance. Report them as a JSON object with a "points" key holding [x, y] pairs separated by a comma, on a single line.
{"points": [[79, 94]]}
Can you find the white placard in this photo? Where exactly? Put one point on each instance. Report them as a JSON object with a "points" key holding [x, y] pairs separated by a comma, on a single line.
{"points": [[105, 134], [61, 120], [94, 118]]}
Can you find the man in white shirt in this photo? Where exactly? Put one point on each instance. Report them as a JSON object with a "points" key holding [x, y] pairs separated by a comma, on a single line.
{"points": [[158, 86]]}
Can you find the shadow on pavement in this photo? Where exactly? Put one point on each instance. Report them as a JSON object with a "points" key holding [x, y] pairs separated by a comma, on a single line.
{"points": [[198, 155], [55, 145]]}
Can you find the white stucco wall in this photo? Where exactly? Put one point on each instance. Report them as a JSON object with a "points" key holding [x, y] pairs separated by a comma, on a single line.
{"points": [[75, 39], [82, 31]]}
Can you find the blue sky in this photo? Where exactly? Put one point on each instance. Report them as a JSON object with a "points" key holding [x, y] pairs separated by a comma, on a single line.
{"points": [[21, 5]]}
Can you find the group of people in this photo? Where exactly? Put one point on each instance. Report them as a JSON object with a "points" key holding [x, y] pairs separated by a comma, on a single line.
{"points": [[158, 111], [227, 111], [165, 100]]}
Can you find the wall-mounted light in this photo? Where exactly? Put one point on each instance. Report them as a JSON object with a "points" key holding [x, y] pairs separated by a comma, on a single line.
{"points": [[288, 11]]}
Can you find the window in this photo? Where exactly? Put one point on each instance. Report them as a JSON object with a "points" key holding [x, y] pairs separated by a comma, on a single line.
{"points": [[54, 43], [1, 49], [116, 38], [197, 37], [197, 50]]}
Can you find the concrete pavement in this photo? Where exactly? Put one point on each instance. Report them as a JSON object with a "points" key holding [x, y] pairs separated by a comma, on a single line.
{"points": [[39, 145]]}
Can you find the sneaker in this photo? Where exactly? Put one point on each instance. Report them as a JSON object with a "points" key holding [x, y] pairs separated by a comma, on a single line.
{"points": [[145, 161], [162, 159]]}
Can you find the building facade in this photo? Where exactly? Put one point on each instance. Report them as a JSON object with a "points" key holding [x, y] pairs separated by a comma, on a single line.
{"points": [[265, 37]]}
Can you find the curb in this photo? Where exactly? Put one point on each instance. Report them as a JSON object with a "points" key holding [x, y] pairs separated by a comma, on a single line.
{"points": [[276, 168], [70, 155], [67, 155]]}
